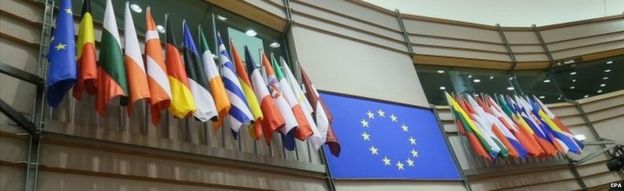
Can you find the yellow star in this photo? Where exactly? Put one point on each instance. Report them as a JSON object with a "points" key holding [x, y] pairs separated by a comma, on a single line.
{"points": [[69, 11], [60, 46]]}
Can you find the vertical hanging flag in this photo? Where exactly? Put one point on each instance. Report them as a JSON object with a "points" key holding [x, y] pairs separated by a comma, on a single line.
{"points": [[135, 69], [182, 103], [111, 72], [239, 113], [304, 130], [558, 127], [250, 96], [160, 91], [87, 69], [321, 115], [316, 138], [214, 80], [478, 144], [62, 56], [198, 83], [523, 140], [273, 119], [291, 121]]}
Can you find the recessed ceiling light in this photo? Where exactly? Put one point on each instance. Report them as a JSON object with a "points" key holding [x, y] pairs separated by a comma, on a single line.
{"points": [[603, 85], [510, 88], [572, 73], [442, 88], [586, 96], [599, 91], [251, 32], [476, 80], [440, 71], [221, 18], [542, 97], [608, 70], [136, 8], [605, 78], [274, 45], [560, 98], [470, 76], [580, 137], [610, 62], [573, 80], [491, 77], [547, 81], [160, 29], [572, 87]]}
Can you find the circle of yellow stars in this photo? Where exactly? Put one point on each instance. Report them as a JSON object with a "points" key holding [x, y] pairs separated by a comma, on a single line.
{"points": [[400, 164]]}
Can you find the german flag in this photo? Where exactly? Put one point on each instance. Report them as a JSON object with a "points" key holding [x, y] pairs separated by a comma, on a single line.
{"points": [[182, 103]]}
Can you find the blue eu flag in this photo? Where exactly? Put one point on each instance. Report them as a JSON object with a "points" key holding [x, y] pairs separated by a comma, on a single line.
{"points": [[61, 56], [387, 141]]}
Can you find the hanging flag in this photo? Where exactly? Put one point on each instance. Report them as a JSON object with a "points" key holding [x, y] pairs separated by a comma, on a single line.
{"points": [[321, 115], [250, 96], [239, 113], [198, 83], [507, 107], [291, 121], [182, 103], [559, 129], [157, 81], [273, 119], [304, 130], [87, 69], [526, 119], [135, 69], [477, 125], [524, 141], [502, 133], [61, 55], [477, 142], [112, 81], [214, 80], [316, 138]]}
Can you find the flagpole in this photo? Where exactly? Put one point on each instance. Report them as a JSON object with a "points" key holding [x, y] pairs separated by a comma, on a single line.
{"points": [[330, 180], [450, 149]]}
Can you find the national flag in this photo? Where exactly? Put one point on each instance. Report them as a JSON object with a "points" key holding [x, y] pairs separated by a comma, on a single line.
{"points": [[316, 138], [321, 115], [217, 88], [135, 69], [204, 104], [504, 135], [62, 56], [531, 147], [473, 133], [291, 121], [479, 126], [112, 81], [182, 102], [87, 67], [239, 113], [273, 119], [526, 118], [304, 129], [518, 120], [250, 97], [160, 90], [558, 127]]}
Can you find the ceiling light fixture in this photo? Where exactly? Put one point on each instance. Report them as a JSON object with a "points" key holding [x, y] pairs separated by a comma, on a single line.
{"points": [[586, 96], [510, 88], [442, 88], [274, 45], [251, 32], [440, 71], [136, 8], [491, 77], [476, 80], [599, 91], [605, 78], [547, 81], [607, 70], [610, 62], [542, 97], [160, 29], [572, 87], [603, 85], [221, 18], [573, 80], [572, 73], [470, 76]]}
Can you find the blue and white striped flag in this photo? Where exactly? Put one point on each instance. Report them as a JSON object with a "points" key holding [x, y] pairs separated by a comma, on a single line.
{"points": [[239, 113]]}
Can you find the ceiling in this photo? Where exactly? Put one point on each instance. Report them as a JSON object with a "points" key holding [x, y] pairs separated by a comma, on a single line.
{"points": [[509, 13]]}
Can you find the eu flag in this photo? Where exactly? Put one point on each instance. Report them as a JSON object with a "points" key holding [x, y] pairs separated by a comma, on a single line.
{"points": [[387, 141], [61, 56]]}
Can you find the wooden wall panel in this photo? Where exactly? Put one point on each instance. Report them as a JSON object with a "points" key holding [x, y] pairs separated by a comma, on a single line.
{"points": [[451, 31], [582, 30]]}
